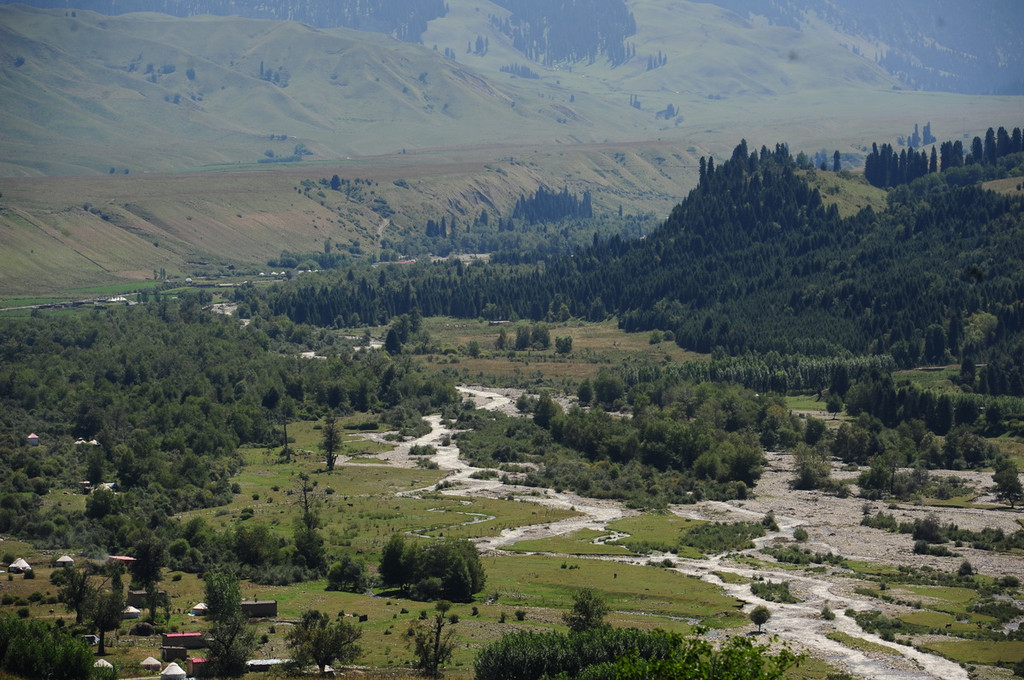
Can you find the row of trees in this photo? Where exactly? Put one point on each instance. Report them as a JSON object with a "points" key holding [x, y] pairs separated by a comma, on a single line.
{"points": [[549, 206], [885, 168]]}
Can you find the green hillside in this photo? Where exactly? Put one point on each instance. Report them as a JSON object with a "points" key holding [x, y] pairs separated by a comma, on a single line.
{"points": [[84, 93]]}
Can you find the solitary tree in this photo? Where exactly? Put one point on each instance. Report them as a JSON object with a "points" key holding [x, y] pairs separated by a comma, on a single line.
{"points": [[812, 466], [318, 640], [434, 644], [231, 638], [392, 344], [150, 556], [347, 574], [107, 611], [309, 544], [392, 567], [331, 440], [588, 611], [1007, 479], [759, 616], [76, 592], [834, 404]]}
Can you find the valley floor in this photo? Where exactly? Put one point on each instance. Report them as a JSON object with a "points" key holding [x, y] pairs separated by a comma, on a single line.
{"points": [[833, 525]]}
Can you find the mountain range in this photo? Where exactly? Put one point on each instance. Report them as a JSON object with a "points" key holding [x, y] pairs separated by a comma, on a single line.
{"points": [[85, 92], [448, 110]]}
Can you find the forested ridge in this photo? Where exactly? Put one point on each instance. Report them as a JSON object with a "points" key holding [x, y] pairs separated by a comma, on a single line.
{"points": [[752, 260]]}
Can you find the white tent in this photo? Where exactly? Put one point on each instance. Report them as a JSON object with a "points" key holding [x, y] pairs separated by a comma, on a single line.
{"points": [[130, 612], [200, 609], [103, 663], [150, 664], [173, 672], [65, 561], [18, 566]]}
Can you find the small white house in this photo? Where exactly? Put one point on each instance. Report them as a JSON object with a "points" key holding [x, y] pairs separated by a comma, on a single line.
{"points": [[131, 612], [19, 566], [200, 609], [103, 663], [64, 561]]}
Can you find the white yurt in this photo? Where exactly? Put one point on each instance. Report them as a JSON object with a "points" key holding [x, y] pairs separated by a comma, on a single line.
{"points": [[200, 609], [19, 566], [150, 664], [103, 663], [64, 561], [130, 612], [173, 672]]}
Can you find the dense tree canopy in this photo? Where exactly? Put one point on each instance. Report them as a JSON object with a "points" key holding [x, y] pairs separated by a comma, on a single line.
{"points": [[752, 260], [169, 392]]}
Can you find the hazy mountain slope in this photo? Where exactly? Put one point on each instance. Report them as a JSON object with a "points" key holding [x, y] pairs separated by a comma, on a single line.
{"points": [[88, 92], [707, 52], [944, 45], [83, 92], [406, 19]]}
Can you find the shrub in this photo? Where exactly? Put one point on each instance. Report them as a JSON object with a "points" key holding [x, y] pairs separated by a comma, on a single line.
{"points": [[772, 591]]}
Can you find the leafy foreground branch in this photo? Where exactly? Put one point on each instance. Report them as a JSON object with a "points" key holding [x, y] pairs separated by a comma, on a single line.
{"points": [[628, 653]]}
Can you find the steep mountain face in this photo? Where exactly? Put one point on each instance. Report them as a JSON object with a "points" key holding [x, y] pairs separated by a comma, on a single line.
{"points": [[939, 45]]}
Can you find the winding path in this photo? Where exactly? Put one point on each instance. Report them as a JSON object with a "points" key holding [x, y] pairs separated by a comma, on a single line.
{"points": [[800, 624]]}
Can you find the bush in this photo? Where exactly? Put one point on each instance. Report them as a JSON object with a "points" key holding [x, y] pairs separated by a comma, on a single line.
{"points": [[715, 538], [426, 589], [606, 653], [773, 592], [142, 629], [800, 534]]}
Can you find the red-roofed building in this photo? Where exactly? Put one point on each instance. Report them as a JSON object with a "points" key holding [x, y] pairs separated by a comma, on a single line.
{"points": [[199, 668]]}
